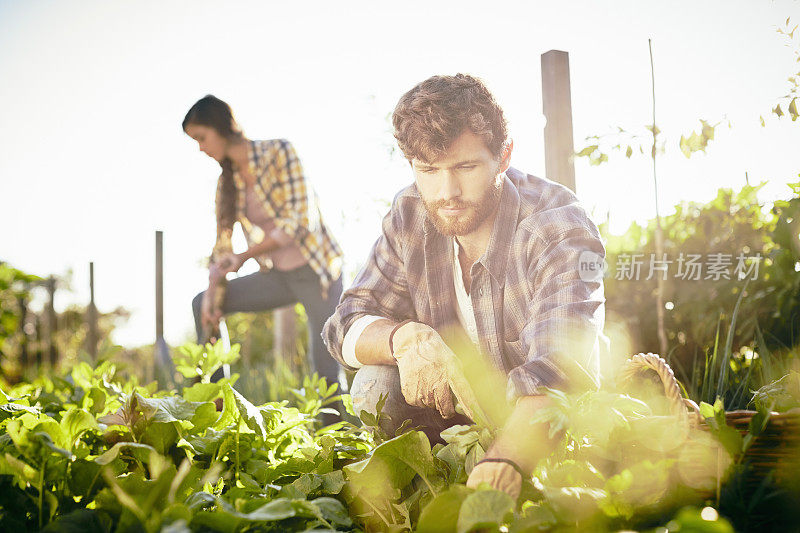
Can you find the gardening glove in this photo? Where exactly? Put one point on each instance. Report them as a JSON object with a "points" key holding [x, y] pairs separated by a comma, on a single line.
{"points": [[422, 361], [500, 476]]}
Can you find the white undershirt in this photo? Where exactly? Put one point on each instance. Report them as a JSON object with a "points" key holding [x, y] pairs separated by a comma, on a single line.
{"points": [[464, 311], [464, 308]]}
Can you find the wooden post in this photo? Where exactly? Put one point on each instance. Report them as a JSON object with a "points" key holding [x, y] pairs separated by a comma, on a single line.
{"points": [[40, 332], [51, 321], [163, 362], [285, 337], [92, 315], [159, 284], [22, 302], [557, 102]]}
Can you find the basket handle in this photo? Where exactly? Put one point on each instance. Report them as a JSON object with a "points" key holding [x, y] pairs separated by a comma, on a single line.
{"points": [[672, 390]]}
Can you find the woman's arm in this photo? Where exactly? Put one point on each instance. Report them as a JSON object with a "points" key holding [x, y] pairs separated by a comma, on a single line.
{"points": [[233, 262]]}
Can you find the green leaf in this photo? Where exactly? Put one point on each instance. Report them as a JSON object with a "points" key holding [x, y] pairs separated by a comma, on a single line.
{"points": [[230, 411], [74, 422], [207, 444], [250, 413], [484, 508], [81, 521], [95, 400], [193, 360], [691, 519], [301, 487], [332, 510], [84, 478], [684, 145], [620, 482], [441, 514], [571, 504], [536, 517], [204, 417], [52, 429], [161, 436], [202, 392], [169, 409], [134, 449], [9, 410], [707, 130], [392, 466], [706, 410], [731, 440], [215, 521], [20, 469]]}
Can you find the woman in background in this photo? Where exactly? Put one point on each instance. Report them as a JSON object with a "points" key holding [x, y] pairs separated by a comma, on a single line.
{"points": [[262, 186]]}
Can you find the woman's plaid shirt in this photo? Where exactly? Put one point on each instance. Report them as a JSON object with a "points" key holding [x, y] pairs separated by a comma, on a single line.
{"points": [[539, 320], [282, 189]]}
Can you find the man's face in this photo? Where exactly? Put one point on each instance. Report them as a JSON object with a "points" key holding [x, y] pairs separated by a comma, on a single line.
{"points": [[461, 189]]}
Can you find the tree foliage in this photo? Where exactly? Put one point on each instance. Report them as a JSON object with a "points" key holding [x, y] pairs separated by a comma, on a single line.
{"points": [[734, 225]]}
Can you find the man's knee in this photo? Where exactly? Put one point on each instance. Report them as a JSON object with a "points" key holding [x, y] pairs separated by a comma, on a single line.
{"points": [[373, 383]]}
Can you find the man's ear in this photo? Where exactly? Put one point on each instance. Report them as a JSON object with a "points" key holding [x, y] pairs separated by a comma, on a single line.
{"points": [[505, 155]]}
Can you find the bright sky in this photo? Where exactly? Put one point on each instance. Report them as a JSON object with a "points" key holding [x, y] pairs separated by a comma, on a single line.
{"points": [[93, 159]]}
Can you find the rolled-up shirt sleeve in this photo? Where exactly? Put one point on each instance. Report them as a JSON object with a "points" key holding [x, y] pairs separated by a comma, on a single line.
{"points": [[380, 288], [563, 336]]}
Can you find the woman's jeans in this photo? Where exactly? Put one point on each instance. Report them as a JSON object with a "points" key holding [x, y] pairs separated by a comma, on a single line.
{"points": [[263, 291]]}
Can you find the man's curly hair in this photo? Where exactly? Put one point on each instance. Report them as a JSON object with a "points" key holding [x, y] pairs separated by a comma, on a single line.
{"points": [[433, 114]]}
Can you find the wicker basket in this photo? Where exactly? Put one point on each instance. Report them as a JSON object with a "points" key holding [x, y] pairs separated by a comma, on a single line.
{"points": [[774, 450]]}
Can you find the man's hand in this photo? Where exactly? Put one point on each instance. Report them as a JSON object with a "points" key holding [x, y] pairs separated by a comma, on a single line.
{"points": [[500, 476], [518, 441], [422, 360]]}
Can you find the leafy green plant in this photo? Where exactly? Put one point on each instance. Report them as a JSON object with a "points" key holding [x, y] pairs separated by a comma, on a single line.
{"points": [[97, 452], [201, 361]]}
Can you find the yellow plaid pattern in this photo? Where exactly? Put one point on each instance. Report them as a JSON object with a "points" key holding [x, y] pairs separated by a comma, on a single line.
{"points": [[282, 189]]}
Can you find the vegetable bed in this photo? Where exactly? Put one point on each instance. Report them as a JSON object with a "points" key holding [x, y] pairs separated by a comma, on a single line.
{"points": [[93, 452]]}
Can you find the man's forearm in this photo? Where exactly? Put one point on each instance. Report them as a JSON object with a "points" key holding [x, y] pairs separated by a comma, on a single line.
{"points": [[372, 346]]}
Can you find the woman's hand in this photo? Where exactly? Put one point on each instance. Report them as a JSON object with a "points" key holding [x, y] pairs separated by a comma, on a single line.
{"points": [[229, 262]]}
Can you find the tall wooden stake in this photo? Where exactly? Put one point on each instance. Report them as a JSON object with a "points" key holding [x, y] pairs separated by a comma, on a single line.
{"points": [[662, 335], [285, 336], [163, 362], [159, 284], [557, 103], [51, 321], [92, 315]]}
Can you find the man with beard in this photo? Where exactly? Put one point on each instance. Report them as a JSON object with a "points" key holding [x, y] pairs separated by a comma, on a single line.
{"points": [[478, 248]]}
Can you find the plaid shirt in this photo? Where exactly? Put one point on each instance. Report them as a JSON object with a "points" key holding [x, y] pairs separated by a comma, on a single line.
{"points": [[538, 321], [282, 189]]}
